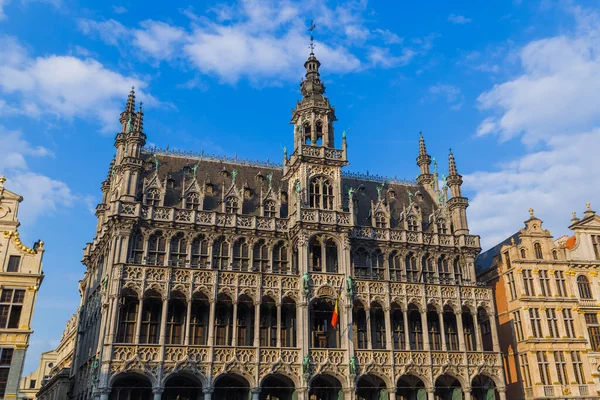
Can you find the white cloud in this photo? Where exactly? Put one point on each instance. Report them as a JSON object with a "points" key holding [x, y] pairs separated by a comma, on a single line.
{"points": [[450, 92], [65, 87], [42, 195], [119, 9], [110, 31], [459, 19], [552, 103], [3, 3], [379, 56], [158, 39]]}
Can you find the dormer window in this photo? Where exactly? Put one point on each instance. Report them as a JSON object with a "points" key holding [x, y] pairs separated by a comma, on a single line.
{"points": [[321, 193], [153, 197], [269, 209], [231, 205], [412, 224], [192, 201], [380, 220], [442, 227]]}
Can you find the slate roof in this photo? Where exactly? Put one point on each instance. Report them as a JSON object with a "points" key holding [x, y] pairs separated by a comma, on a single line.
{"points": [[485, 260]]}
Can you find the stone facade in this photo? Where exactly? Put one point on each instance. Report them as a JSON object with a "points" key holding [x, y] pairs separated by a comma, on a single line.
{"points": [[212, 277], [32, 383], [20, 279], [547, 296]]}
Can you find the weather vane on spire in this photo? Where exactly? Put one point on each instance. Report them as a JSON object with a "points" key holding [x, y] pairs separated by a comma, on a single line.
{"points": [[313, 26]]}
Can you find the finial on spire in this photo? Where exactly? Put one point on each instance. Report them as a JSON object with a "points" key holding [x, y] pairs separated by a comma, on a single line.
{"points": [[452, 164], [130, 107], [422, 148], [139, 119], [588, 206], [313, 26], [531, 212], [2, 180]]}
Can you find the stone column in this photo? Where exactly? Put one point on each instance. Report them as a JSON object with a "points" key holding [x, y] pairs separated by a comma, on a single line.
{"points": [[208, 393], [478, 340], [391, 393], [138, 322], [163, 320], [187, 322], [466, 392], [460, 332], [388, 329], [211, 324], [256, 323], [255, 393], [369, 333], [442, 331], [301, 392], [425, 332], [495, 340], [406, 333], [430, 393], [502, 393], [279, 324], [157, 393], [234, 333]]}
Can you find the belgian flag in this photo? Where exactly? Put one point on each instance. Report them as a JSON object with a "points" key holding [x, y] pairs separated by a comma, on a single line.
{"points": [[336, 315]]}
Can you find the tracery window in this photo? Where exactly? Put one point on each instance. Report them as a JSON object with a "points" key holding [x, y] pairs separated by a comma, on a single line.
{"points": [[457, 271], [178, 250], [280, 258], [231, 205], [269, 209], [153, 197], [128, 311], [321, 193], [260, 256], [583, 284], [378, 265], [362, 263], [157, 249], [220, 254], [136, 254], [412, 224], [537, 248], [192, 201], [200, 256], [151, 313], [241, 255], [442, 226], [412, 269], [395, 262], [380, 220], [176, 313], [428, 271], [444, 272]]}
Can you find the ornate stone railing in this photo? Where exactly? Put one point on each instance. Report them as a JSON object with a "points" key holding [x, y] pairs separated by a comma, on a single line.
{"points": [[430, 291], [411, 357], [325, 217], [403, 236], [379, 357], [323, 356], [274, 355], [229, 354], [126, 352]]}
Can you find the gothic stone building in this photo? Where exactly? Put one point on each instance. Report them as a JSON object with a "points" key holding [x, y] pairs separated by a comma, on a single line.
{"points": [[217, 278]]}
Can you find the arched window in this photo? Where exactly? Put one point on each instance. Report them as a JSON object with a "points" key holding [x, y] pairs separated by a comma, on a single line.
{"points": [[192, 201], [457, 271], [151, 313], [554, 254], [260, 256], [231, 205], [178, 250], [585, 292], [280, 258], [136, 254], [321, 193], [537, 248], [176, 313], [153, 197], [128, 311], [307, 133], [220, 254], [395, 266], [362, 264], [444, 270], [199, 320], [157, 249], [378, 265], [428, 271], [380, 220], [199, 252], [523, 253], [412, 269], [269, 209], [316, 254], [412, 224], [241, 255], [442, 226], [398, 334], [268, 323]]}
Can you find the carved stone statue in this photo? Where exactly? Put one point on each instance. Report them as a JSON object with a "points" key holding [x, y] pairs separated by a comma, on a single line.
{"points": [[234, 174], [349, 286], [353, 366], [305, 283], [306, 364], [156, 162], [129, 126], [297, 187]]}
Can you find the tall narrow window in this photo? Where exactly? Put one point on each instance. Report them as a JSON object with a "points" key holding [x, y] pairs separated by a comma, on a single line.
{"points": [[569, 323], [507, 260], [192, 201], [545, 283], [518, 325], [596, 245], [511, 286], [269, 209], [362, 264], [536, 322], [395, 266], [457, 271], [552, 322], [6, 356], [176, 313], [377, 319], [321, 193], [554, 255], [594, 330], [378, 265], [398, 334], [561, 367], [523, 253], [327, 195], [157, 249], [578, 367], [544, 367], [315, 193], [412, 269], [537, 248], [153, 197], [435, 337], [178, 250], [428, 271], [151, 313], [220, 254], [199, 319], [241, 257], [260, 256], [442, 226], [268, 323], [200, 257], [583, 284], [13, 264], [137, 248], [528, 282], [128, 311], [280, 258], [11, 305], [231, 205], [561, 287], [525, 369], [444, 270]]}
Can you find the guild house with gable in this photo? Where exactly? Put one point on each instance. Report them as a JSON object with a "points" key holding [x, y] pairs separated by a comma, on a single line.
{"points": [[211, 277]]}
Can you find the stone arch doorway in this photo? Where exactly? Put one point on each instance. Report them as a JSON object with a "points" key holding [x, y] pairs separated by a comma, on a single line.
{"points": [[131, 386], [410, 387], [277, 387], [483, 388], [182, 387], [448, 388], [231, 387], [325, 387], [371, 387]]}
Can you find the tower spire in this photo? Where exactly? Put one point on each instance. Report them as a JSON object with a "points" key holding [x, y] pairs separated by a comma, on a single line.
{"points": [[451, 165], [129, 111], [138, 126], [423, 161]]}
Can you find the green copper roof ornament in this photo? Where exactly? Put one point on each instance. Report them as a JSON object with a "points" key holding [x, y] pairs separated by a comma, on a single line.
{"points": [[270, 179], [234, 174], [285, 152], [434, 166], [344, 133], [129, 124], [380, 188], [410, 198], [444, 180], [156, 162], [195, 168], [298, 187]]}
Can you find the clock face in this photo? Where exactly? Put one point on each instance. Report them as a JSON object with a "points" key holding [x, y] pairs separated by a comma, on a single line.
{"points": [[4, 210]]}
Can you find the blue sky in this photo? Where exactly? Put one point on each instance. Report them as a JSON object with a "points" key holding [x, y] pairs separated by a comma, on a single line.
{"points": [[511, 86]]}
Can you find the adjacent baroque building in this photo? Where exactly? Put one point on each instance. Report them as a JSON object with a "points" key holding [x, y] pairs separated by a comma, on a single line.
{"points": [[548, 301], [20, 279], [217, 278]]}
